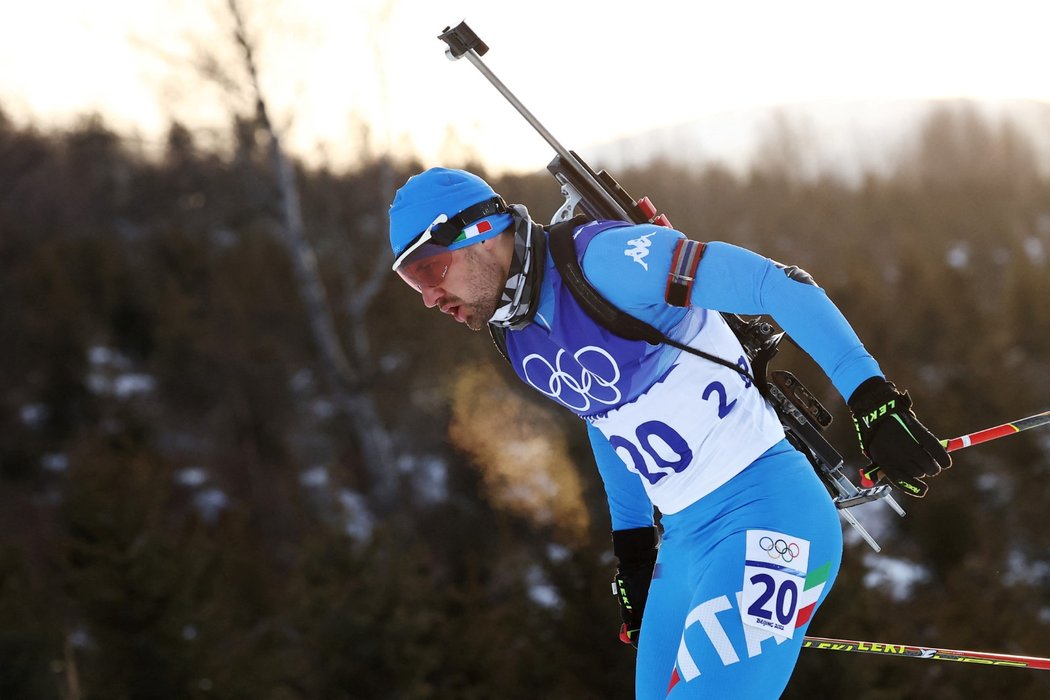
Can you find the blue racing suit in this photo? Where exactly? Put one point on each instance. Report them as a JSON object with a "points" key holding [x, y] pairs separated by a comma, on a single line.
{"points": [[751, 542]]}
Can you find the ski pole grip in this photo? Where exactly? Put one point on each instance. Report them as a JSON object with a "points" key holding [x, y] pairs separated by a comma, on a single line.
{"points": [[461, 39]]}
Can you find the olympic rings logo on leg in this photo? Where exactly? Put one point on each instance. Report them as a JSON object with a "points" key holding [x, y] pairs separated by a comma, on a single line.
{"points": [[779, 548]]}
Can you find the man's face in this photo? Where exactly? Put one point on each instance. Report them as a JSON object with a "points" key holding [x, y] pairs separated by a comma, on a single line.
{"points": [[471, 289]]}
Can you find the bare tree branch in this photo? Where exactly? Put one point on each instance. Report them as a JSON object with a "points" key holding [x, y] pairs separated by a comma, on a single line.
{"points": [[344, 377], [365, 294]]}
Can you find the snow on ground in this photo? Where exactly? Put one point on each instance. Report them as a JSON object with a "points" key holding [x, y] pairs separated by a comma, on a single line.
{"points": [[111, 375], [359, 522], [894, 575]]}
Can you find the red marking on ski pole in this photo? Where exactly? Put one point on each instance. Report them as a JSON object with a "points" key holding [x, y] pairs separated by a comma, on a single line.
{"points": [[958, 443]]}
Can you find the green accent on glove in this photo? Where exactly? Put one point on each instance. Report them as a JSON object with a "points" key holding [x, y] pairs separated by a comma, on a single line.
{"points": [[636, 550], [901, 449]]}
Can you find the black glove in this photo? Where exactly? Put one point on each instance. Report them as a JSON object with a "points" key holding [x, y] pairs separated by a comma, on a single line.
{"points": [[898, 445], [636, 551]]}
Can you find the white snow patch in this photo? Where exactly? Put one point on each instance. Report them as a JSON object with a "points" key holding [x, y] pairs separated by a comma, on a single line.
{"points": [[989, 482], [80, 638], [540, 589], [55, 462], [995, 487], [211, 503], [359, 522], [98, 384], [315, 477], [127, 385], [322, 408], [431, 480], [110, 375], [391, 361], [302, 381], [429, 476], [1035, 250], [897, 576], [557, 553], [224, 237], [101, 356], [1021, 570], [34, 414], [876, 517], [958, 256], [191, 476]]}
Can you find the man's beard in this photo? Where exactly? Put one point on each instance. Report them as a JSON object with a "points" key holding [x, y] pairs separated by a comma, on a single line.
{"points": [[486, 285]]}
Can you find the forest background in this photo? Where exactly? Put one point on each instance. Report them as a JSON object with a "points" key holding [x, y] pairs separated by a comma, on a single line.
{"points": [[238, 458]]}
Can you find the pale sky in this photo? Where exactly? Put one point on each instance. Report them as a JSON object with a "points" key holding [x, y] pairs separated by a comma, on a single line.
{"points": [[590, 71]]}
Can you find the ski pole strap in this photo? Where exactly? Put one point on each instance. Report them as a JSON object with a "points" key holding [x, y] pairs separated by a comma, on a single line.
{"points": [[981, 658]]}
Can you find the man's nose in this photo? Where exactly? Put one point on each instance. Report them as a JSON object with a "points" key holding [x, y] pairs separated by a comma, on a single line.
{"points": [[430, 296]]}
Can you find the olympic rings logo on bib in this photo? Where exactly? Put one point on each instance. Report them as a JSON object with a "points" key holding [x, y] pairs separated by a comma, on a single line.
{"points": [[595, 381], [779, 549]]}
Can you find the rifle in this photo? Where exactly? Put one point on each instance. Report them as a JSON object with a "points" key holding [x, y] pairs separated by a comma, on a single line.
{"points": [[600, 197]]}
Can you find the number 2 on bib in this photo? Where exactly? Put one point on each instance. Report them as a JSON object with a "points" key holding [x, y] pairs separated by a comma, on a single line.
{"points": [[719, 389]]}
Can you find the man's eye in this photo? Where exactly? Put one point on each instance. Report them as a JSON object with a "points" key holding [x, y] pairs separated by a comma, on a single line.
{"points": [[433, 271]]}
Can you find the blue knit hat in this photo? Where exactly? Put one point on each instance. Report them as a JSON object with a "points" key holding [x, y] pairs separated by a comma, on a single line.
{"points": [[442, 191]]}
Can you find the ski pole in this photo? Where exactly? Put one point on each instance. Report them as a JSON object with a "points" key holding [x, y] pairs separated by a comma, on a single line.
{"points": [[868, 477], [982, 658], [997, 432]]}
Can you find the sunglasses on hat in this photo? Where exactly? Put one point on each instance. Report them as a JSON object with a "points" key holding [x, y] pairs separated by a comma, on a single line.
{"points": [[426, 261]]}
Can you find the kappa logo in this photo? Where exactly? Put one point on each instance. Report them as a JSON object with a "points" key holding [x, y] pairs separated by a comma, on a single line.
{"points": [[640, 249], [591, 378]]}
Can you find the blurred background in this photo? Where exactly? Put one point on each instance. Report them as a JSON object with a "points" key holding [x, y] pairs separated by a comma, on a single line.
{"points": [[239, 459]]}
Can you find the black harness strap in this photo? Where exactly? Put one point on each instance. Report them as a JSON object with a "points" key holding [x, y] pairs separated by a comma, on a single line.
{"points": [[601, 310], [563, 251]]}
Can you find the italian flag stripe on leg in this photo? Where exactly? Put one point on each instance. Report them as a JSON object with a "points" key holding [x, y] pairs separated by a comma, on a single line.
{"points": [[811, 591]]}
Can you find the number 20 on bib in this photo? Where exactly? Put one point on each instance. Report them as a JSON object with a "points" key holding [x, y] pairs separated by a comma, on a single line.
{"points": [[775, 569]]}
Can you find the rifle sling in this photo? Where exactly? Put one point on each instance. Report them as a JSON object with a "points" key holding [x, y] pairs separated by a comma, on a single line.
{"points": [[601, 310]]}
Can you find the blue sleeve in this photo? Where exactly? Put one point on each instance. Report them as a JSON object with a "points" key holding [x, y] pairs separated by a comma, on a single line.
{"points": [[735, 280], [629, 504], [629, 267]]}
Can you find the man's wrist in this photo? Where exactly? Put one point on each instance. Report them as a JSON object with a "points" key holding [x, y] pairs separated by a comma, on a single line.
{"points": [[636, 545]]}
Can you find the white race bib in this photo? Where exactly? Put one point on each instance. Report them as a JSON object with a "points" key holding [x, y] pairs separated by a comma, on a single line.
{"points": [[696, 428], [775, 571]]}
